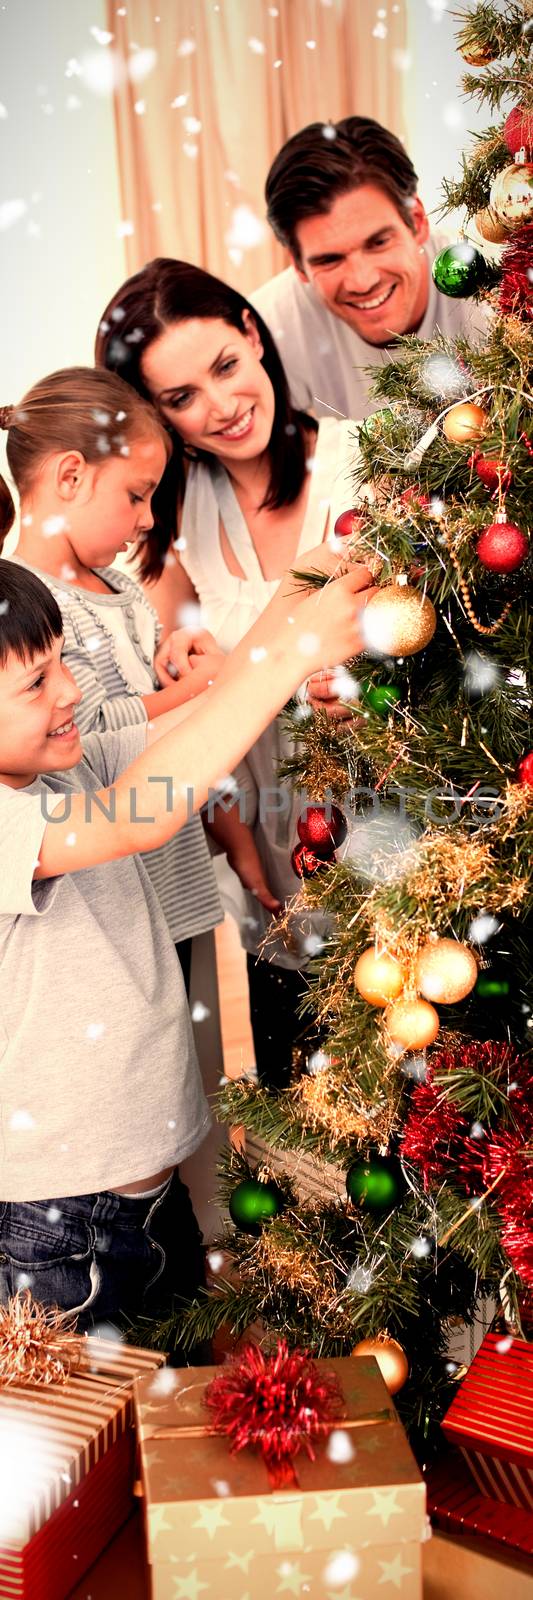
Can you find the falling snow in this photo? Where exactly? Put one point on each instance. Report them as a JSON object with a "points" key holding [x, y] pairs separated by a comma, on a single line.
{"points": [[339, 1447]]}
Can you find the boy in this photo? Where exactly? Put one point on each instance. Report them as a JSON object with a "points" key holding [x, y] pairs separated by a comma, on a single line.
{"points": [[93, 1216]]}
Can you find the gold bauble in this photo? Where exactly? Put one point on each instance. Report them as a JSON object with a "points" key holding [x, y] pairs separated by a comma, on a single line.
{"points": [[391, 1359], [464, 422], [398, 621], [511, 194], [445, 971], [489, 226], [379, 978], [413, 1024], [480, 55]]}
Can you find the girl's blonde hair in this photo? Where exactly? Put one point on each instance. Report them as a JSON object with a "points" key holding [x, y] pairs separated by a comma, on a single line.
{"points": [[80, 408]]}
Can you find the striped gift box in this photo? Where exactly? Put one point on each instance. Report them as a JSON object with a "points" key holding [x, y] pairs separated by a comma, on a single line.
{"points": [[66, 1470], [490, 1421]]}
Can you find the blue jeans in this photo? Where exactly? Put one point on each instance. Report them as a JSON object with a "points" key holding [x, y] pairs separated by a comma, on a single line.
{"points": [[108, 1257]]}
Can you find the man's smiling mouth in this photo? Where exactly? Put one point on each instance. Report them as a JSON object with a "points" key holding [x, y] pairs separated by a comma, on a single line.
{"points": [[374, 303]]}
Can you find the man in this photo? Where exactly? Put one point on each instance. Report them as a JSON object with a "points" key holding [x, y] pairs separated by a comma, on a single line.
{"points": [[342, 199]]}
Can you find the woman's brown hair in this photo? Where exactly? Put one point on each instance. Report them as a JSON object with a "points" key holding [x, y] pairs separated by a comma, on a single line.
{"points": [[164, 293], [78, 408]]}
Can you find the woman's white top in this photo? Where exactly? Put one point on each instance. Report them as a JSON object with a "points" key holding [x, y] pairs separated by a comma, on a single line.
{"points": [[110, 642], [230, 606]]}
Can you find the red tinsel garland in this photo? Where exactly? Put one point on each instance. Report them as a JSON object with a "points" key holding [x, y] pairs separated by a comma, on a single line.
{"points": [[436, 1135], [517, 1240], [276, 1404], [438, 1139], [516, 288]]}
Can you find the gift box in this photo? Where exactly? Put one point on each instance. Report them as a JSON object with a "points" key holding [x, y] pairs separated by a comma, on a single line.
{"points": [[67, 1461], [485, 1484], [350, 1528]]}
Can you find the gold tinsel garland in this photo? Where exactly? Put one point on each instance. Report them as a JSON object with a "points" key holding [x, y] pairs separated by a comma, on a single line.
{"points": [[38, 1344], [307, 1274], [323, 1107]]}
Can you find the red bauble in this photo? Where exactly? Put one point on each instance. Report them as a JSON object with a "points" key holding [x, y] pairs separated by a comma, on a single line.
{"points": [[502, 547], [322, 829], [348, 524], [415, 497], [493, 473], [305, 863], [524, 771], [518, 130]]}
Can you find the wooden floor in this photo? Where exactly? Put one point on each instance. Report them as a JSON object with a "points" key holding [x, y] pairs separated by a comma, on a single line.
{"points": [[233, 997]]}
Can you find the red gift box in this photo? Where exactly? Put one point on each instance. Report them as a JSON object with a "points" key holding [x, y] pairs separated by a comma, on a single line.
{"points": [[67, 1461], [485, 1485]]}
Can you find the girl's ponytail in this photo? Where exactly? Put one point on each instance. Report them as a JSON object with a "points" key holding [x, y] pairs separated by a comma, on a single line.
{"points": [[7, 505]]}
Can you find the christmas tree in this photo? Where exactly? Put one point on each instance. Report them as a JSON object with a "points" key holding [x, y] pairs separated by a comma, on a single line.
{"points": [[415, 1118]]}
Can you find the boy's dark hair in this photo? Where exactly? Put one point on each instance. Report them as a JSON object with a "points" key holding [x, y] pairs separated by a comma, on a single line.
{"points": [[30, 618], [163, 293], [325, 160]]}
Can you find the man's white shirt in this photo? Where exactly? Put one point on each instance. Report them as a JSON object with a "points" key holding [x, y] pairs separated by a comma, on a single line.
{"points": [[325, 359]]}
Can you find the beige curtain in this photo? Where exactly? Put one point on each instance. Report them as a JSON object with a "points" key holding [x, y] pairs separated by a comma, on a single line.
{"points": [[208, 94]]}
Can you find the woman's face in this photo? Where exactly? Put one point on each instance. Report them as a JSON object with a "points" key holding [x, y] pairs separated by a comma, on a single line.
{"points": [[207, 380]]}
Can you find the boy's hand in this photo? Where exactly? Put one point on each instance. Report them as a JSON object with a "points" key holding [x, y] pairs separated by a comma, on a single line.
{"points": [[175, 657], [327, 622]]}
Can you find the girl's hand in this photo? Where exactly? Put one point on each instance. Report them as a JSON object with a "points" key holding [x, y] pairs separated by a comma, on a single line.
{"points": [[200, 675], [323, 691], [174, 658]]}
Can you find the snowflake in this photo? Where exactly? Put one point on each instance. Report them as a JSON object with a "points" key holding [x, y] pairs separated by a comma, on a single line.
{"points": [[342, 1566], [199, 1012], [339, 1447]]}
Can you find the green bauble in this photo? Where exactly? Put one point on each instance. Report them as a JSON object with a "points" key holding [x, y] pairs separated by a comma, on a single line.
{"points": [[459, 270], [492, 985], [381, 697], [253, 1203], [378, 422], [375, 1184]]}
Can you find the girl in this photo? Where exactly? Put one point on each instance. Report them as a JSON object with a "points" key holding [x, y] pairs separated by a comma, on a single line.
{"points": [[250, 486], [86, 454]]}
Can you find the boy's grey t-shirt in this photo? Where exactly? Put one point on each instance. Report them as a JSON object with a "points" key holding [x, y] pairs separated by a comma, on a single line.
{"points": [[99, 1081]]}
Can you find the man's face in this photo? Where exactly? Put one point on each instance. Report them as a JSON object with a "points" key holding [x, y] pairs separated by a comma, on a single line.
{"points": [[366, 265]]}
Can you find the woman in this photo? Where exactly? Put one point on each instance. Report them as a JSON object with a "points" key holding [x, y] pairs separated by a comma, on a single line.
{"points": [[251, 485]]}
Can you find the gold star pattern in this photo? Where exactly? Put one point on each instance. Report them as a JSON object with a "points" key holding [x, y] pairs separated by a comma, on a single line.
{"points": [[283, 1519], [188, 1588], [266, 1516], [211, 1518], [372, 1442], [291, 1578], [327, 1510], [156, 1521], [242, 1562], [385, 1505], [394, 1572]]}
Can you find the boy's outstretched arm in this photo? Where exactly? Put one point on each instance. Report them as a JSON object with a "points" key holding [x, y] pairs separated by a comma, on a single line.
{"points": [[298, 632]]}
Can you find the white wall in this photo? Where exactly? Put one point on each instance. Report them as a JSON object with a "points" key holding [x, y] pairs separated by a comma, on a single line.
{"points": [[437, 116], [60, 258], [61, 251]]}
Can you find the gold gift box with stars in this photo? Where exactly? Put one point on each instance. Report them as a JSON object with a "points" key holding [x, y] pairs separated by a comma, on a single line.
{"points": [[352, 1529]]}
